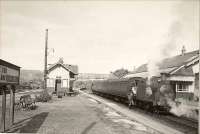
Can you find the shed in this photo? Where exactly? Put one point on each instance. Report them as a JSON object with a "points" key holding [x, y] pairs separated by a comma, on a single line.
{"points": [[9, 78]]}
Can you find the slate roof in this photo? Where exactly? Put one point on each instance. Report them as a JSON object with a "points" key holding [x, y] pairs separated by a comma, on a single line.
{"points": [[69, 67], [170, 64], [8, 64], [72, 68]]}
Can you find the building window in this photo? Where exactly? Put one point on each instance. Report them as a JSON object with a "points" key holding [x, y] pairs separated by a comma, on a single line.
{"points": [[64, 83], [3, 77], [182, 87], [4, 70]]}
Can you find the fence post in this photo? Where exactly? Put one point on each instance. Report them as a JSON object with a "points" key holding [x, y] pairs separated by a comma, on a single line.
{"points": [[11, 115]]}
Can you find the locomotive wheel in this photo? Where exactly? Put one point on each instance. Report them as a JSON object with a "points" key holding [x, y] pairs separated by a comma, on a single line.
{"points": [[139, 104], [151, 109], [120, 100], [156, 110], [116, 99], [147, 106]]}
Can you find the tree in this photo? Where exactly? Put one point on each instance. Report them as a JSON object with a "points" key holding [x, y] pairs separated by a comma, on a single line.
{"points": [[120, 72]]}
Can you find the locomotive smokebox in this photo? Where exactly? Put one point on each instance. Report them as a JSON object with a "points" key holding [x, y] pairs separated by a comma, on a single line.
{"points": [[165, 88], [164, 76]]}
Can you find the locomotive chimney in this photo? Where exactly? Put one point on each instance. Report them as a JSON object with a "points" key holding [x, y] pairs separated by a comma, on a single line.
{"points": [[164, 79], [164, 76]]}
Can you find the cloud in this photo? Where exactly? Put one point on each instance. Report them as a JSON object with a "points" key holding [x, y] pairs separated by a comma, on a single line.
{"points": [[98, 36]]}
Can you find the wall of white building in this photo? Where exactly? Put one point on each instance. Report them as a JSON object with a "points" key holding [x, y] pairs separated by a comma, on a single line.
{"points": [[58, 72], [195, 68]]}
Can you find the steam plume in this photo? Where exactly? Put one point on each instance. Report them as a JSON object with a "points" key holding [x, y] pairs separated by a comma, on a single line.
{"points": [[184, 26], [167, 96]]}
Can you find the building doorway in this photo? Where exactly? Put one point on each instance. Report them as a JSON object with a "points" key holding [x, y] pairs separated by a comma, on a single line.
{"points": [[57, 85]]}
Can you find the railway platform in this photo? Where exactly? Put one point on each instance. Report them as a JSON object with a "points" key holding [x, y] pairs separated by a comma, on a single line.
{"points": [[78, 114]]}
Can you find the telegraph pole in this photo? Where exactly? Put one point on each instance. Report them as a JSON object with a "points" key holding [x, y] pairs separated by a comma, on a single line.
{"points": [[45, 60]]}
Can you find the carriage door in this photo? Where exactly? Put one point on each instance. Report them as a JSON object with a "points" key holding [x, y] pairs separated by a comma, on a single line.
{"points": [[57, 85]]}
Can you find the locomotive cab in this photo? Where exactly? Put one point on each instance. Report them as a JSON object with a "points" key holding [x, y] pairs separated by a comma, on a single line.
{"points": [[149, 95], [133, 90]]}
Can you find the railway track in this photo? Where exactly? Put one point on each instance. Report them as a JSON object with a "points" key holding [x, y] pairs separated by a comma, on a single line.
{"points": [[184, 125], [183, 121]]}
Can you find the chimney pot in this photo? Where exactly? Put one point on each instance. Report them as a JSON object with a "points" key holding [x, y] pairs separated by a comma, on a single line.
{"points": [[183, 50]]}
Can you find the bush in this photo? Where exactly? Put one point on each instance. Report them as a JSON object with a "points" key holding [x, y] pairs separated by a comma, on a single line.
{"points": [[43, 97]]}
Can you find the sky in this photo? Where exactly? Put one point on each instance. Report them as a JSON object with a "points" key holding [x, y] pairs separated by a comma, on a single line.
{"points": [[98, 36]]}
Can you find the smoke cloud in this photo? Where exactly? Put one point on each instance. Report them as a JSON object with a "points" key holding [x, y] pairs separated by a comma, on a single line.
{"points": [[182, 110], [166, 97], [183, 28], [169, 45]]}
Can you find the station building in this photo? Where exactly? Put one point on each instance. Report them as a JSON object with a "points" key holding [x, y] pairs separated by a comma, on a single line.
{"points": [[181, 71], [61, 75]]}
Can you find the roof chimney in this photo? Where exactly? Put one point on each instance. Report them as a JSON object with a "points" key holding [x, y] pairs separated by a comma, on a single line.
{"points": [[183, 50], [61, 60]]}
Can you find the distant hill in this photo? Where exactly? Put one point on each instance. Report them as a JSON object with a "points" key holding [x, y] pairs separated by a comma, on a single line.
{"points": [[32, 75], [28, 75], [88, 76]]}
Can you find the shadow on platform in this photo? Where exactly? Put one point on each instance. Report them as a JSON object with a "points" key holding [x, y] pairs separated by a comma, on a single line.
{"points": [[31, 126]]}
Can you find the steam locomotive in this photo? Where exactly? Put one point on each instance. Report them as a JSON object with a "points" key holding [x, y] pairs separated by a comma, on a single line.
{"points": [[153, 94]]}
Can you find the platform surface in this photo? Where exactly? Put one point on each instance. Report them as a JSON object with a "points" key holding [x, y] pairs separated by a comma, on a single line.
{"points": [[76, 115]]}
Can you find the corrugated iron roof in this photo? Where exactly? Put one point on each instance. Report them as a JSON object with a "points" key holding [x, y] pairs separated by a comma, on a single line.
{"points": [[8, 64]]}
